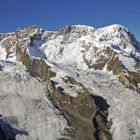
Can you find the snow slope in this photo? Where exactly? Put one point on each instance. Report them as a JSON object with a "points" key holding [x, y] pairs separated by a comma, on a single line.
{"points": [[26, 113], [2, 53]]}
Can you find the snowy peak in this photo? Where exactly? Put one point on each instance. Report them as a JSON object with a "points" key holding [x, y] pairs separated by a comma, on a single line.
{"points": [[117, 35], [115, 27]]}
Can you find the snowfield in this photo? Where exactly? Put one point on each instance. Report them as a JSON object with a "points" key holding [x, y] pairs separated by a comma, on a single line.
{"points": [[24, 107]]}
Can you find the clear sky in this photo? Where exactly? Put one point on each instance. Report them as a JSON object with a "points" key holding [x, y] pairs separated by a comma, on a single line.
{"points": [[54, 14]]}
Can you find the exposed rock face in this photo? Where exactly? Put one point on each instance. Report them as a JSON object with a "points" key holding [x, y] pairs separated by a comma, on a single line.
{"points": [[131, 80]]}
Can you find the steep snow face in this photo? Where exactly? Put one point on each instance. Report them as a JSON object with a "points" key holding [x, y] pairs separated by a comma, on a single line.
{"points": [[26, 114], [68, 55], [65, 48], [2, 53]]}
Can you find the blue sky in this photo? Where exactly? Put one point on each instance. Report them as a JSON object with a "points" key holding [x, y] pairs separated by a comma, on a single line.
{"points": [[54, 14]]}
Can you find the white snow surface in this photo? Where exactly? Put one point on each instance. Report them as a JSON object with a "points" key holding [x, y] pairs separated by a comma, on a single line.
{"points": [[127, 62], [2, 53], [25, 108]]}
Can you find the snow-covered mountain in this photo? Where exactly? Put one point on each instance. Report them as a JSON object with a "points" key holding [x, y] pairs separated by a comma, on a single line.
{"points": [[92, 76]]}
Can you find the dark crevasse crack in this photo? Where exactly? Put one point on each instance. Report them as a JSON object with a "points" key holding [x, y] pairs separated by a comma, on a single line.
{"points": [[100, 121], [7, 132]]}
